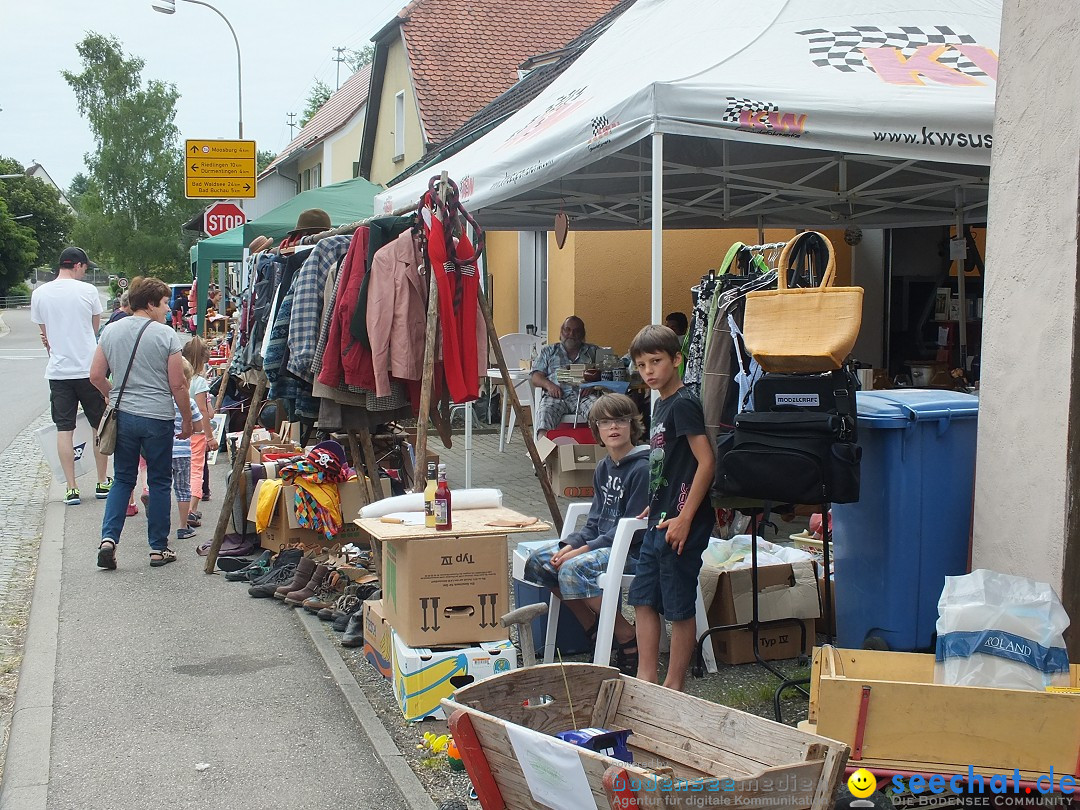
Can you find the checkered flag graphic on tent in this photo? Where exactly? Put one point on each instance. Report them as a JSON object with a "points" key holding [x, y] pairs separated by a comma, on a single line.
{"points": [[599, 124], [736, 105], [842, 50]]}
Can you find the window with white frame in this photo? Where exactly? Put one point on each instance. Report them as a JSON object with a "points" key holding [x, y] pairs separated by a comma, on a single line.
{"points": [[399, 126]]}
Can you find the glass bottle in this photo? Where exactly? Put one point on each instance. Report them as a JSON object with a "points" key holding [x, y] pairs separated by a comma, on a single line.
{"points": [[429, 496], [443, 519]]}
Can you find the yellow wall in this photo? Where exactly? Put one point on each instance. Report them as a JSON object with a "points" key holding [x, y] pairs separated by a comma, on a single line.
{"points": [[501, 255], [345, 148], [397, 78], [604, 277], [310, 161]]}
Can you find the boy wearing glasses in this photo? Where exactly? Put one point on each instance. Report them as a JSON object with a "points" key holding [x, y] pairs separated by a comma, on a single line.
{"points": [[570, 567]]}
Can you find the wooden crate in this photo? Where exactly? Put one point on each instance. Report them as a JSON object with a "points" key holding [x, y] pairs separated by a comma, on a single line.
{"points": [[886, 706], [741, 758]]}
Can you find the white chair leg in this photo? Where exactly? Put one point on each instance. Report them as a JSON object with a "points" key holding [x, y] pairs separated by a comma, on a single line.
{"points": [[702, 623], [605, 629], [502, 425], [511, 422], [552, 629]]}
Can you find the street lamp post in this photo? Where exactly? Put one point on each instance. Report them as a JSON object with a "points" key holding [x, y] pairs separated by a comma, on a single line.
{"points": [[169, 7]]}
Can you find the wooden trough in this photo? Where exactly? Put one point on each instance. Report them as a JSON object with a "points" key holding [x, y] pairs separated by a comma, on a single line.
{"points": [[687, 752]]}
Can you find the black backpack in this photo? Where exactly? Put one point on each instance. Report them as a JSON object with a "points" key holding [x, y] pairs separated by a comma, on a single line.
{"points": [[799, 446]]}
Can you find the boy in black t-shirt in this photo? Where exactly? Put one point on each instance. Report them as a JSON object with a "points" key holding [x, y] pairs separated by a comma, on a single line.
{"points": [[681, 464]]}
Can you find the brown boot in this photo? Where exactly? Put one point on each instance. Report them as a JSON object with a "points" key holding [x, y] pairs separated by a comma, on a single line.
{"points": [[306, 591], [304, 569]]}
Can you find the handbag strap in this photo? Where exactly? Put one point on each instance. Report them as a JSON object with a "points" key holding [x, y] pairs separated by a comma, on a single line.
{"points": [[800, 245], [131, 362]]}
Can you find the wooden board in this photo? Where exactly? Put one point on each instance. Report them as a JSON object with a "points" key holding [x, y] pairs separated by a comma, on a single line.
{"points": [[917, 724], [467, 522]]}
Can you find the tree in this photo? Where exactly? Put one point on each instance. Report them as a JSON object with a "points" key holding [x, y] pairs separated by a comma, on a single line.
{"points": [[133, 203], [38, 206], [263, 158], [356, 58], [320, 93], [18, 249]]}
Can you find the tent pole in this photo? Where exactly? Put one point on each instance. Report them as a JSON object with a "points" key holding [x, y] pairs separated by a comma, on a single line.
{"points": [[961, 278], [657, 228]]}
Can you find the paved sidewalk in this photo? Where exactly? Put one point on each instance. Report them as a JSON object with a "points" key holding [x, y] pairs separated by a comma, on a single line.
{"points": [[159, 672]]}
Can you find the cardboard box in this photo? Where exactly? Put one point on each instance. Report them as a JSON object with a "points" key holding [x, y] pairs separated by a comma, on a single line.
{"points": [[422, 676], [571, 466], [257, 450], [784, 591], [285, 530], [446, 590], [378, 641]]}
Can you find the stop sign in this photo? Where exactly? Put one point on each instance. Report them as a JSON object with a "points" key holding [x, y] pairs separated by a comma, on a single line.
{"points": [[222, 216]]}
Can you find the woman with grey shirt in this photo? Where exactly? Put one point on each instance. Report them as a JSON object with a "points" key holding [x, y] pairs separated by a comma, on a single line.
{"points": [[145, 415]]}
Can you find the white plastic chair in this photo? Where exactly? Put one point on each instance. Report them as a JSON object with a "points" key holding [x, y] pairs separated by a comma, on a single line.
{"points": [[612, 581], [516, 347], [568, 419]]}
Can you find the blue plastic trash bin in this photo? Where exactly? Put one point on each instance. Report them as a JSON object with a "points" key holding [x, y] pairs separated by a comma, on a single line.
{"points": [[910, 528]]}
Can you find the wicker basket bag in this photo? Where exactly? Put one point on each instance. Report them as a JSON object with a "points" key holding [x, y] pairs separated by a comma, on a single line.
{"points": [[803, 330]]}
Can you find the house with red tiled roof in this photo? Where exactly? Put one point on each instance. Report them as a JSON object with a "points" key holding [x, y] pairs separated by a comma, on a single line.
{"points": [[438, 62], [323, 152]]}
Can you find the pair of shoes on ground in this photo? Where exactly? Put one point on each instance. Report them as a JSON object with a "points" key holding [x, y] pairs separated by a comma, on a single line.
{"points": [[248, 572], [106, 557], [101, 492]]}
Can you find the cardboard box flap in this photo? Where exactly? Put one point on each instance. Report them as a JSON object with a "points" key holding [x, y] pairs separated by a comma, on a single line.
{"points": [[580, 456], [545, 447], [794, 596]]}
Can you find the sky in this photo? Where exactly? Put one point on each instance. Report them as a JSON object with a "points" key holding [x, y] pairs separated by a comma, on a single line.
{"points": [[285, 45]]}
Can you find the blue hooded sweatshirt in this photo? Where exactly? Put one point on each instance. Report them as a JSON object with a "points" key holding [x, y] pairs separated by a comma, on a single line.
{"points": [[620, 489]]}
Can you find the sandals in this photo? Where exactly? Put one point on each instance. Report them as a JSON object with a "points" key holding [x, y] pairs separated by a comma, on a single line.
{"points": [[106, 556], [626, 656], [160, 558]]}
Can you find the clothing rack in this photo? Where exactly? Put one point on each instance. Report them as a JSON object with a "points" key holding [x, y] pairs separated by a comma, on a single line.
{"points": [[360, 442]]}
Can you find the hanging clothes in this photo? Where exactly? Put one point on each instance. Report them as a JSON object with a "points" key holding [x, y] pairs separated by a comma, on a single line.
{"points": [[397, 311], [697, 333], [381, 232], [307, 303], [454, 264]]}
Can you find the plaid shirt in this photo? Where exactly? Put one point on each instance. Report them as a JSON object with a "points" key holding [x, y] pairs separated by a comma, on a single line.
{"points": [[307, 292], [554, 357]]}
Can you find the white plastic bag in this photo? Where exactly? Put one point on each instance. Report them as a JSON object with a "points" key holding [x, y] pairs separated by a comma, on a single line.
{"points": [[82, 442], [1000, 631]]}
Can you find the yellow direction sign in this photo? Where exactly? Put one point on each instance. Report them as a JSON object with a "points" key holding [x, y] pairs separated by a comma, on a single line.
{"points": [[219, 169]]}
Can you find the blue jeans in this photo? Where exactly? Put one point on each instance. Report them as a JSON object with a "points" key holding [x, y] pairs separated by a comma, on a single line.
{"points": [[153, 440]]}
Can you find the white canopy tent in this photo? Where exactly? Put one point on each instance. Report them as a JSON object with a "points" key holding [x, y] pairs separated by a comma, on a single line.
{"points": [[799, 113]]}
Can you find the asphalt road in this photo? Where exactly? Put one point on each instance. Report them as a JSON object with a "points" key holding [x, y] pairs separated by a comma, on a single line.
{"points": [[24, 393]]}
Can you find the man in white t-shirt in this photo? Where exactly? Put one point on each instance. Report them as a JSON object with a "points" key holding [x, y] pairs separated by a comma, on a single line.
{"points": [[68, 313]]}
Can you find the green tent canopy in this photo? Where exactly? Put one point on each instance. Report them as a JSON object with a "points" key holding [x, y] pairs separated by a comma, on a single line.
{"points": [[345, 202]]}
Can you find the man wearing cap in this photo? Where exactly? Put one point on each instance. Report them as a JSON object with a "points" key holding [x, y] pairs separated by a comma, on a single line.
{"points": [[68, 313]]}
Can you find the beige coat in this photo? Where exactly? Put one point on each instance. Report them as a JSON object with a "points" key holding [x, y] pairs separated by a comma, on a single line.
{"points": [[397, 312]]}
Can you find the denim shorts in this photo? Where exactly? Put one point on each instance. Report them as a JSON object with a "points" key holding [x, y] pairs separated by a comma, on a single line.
{"points": [[665, 581]]}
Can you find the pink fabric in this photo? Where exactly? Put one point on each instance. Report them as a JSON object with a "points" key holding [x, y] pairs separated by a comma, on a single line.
{"points": [[198, 462], [397, 312]]}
